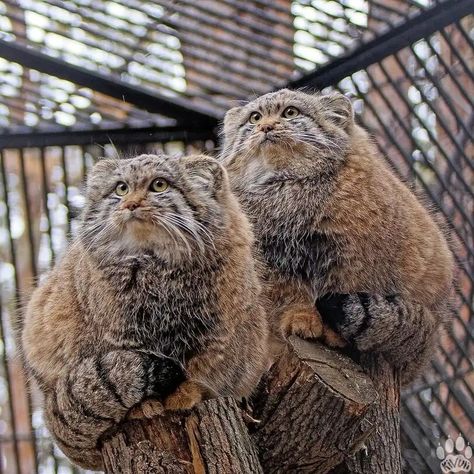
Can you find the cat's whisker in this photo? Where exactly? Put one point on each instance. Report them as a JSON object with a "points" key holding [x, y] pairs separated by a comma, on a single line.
{"points": [[249, 151], [246, 146], [179, 223], [171, 226], [166, 228], [94, 237], [311, 139], [189, 224]]}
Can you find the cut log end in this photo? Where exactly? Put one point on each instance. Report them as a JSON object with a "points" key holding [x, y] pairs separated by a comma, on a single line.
{"points": [[311, 409], [315, 409], [212, 438]]}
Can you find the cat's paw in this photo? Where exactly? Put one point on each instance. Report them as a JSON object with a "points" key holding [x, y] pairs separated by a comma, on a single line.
{"points": [[147, 409], [332, 308], [332, 338], [164, 376], [186, 396], [306, 324]]}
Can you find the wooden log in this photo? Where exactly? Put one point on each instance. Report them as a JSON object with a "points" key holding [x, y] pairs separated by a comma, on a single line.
{"points": [[316, 410], [382, 451], [212, 438], [312, 410]]}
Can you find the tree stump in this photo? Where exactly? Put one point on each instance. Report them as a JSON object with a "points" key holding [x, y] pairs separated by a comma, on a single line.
{"points": [[313, 413], [314, 404], [382, 452], [212, 438]]}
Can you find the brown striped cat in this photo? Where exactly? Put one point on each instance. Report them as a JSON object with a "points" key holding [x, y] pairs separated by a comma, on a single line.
{"points": [[339, 233], [144, 305]]}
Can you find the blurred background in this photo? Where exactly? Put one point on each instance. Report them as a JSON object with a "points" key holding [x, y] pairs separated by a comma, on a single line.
{"points": [[81, 79]]}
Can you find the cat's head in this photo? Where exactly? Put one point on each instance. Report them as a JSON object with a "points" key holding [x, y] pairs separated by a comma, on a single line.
{"points": [[288, 131], [167, 205]]}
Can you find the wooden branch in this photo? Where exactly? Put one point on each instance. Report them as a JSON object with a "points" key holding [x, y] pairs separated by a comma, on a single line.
{"points": [[210, 439], [312, 410]]}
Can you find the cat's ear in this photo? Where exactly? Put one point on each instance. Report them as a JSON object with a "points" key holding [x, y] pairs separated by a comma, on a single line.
{"points": [[338, 108], [103, 165], [232, 118], [103, 168], [206, 173]]}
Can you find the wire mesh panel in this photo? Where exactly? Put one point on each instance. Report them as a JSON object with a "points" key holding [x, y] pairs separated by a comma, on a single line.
{"points": [[210, 52], [418, 105]]}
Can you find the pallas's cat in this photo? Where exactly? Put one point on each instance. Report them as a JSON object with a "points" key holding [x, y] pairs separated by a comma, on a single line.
{"points": [[337, 229], [158, 289]]}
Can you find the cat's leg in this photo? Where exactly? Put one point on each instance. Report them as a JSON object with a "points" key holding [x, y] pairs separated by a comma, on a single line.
{"points": [[306, 322], [231, 365], [292, 312], [98, 393], [290, 309], [205, 373], [403, 331], [301, 320]]}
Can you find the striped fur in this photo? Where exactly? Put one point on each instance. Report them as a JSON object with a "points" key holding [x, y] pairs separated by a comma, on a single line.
{"points": [[334, 223], [144, 303]]}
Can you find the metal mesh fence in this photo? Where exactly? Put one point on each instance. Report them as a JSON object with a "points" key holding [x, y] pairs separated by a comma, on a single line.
{"points": [[210, 52], [417, 102]]}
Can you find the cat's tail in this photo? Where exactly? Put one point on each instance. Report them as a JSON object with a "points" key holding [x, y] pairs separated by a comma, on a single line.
{"points": [[405, 333], [97, 393]]}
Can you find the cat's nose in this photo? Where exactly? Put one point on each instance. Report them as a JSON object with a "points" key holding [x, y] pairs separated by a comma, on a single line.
{"points": [[267, 127], [131, 205]]}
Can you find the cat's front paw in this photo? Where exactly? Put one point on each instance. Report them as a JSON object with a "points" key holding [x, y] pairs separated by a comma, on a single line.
{"points": [[304, 323], [187, 395], [332, 308], [147, 409], [344, 315], [332, 338], [164, 376]]}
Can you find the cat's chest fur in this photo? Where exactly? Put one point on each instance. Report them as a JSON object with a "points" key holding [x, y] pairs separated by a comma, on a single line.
{"points": [[168, 311], [285, 220]]}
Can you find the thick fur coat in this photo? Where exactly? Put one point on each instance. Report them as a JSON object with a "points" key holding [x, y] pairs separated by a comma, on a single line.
{"points": [[336, 226], [158, 290]]}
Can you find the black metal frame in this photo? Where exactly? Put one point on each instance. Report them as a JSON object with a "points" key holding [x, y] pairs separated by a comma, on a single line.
{"points": [[117, 136], [202, 120], [176, 107], [420, 26]]}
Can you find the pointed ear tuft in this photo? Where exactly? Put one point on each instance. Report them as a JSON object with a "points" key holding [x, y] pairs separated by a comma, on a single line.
{"points": [[338, 109], [206, 172]]}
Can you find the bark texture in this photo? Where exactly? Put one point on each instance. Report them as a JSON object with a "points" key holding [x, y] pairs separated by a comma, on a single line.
{"points": [[316, 412], [212, 439], [382, 451], [314, 403]]}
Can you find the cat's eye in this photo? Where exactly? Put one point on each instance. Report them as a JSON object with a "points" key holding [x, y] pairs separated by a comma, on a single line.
{"points": [[255, 117], [121, 189], [291, 112], [159, 185]]}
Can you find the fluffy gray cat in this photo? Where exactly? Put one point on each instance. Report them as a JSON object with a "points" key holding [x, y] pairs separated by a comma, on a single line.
{"points": [[158, 290], [337, 228]]}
